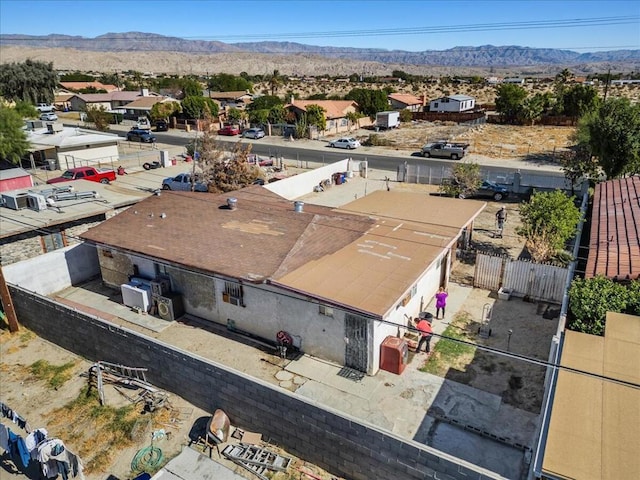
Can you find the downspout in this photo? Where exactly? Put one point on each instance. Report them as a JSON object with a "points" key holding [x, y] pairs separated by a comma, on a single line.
{"points": [[551, 376]]}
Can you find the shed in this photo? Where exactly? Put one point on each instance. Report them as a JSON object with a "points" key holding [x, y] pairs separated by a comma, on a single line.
{"points": [[14, 179]]}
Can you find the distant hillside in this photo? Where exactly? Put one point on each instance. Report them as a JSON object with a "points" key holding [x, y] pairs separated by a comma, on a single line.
{"points": [[483, 56]]}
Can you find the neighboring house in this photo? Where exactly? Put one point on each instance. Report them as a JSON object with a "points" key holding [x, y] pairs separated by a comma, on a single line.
{"points": [[15, 178], [72, 147], [77, 86], [143, 105], [226, 100], [614, 245], [110, 101], [339, 281], [453, 103], [593, 431], [62, 101], [32, 227], [517, 81], [403, 101], [335, 112]]}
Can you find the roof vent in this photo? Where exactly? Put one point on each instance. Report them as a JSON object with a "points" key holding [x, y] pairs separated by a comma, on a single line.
{"points": [[298, 207], [232, 203]]}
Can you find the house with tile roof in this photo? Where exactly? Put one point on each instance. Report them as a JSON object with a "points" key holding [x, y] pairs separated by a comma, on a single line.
{"points": [[614, 243], [338, 281], [110, 101], [453, 103], [77, 86], [405, 101], [238, 99], [335, 112]]}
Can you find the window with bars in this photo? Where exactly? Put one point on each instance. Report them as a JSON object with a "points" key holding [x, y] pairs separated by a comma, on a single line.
{"points": [[233, 294], [53, 241]]}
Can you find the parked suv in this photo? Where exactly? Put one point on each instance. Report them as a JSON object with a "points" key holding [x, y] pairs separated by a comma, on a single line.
{"points": [[489, 190], [161, 126], [137, 135], [255, 133]]}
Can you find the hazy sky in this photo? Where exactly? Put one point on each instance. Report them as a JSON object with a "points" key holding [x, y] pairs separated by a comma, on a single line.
{"points": [[581, 25]]}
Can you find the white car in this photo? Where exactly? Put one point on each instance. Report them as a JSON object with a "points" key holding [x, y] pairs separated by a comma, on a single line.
{"points": [[346, 142], [255, 133], [49, 117]]}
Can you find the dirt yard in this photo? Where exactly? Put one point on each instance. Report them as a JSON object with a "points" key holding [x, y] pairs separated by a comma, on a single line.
{"points": [[490, 140], [52, 394]]}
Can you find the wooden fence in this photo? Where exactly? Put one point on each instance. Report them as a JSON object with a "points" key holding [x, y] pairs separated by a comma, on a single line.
{"points": [[523, 278], [473, 117]]}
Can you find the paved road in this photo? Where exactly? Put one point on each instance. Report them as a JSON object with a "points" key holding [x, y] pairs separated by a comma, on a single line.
{"points": [[317, 152]]}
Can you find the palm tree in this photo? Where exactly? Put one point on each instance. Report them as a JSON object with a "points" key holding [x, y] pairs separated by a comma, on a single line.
{"points": [[275, 81]]}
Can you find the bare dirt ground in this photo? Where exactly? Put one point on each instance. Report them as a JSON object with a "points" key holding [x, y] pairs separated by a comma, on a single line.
{"points": [[51, 393]]}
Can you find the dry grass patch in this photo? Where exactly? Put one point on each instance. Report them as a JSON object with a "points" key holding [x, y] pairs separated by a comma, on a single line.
{"points": [[449, 354]]}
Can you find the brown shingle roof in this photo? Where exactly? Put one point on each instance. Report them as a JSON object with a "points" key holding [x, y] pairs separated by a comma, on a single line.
{"points": [[82, 85], [147, 102], [263, 237], [614, 245]]}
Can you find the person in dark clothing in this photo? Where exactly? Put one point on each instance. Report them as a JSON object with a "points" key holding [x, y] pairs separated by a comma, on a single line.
{"points": [[501, 218]]}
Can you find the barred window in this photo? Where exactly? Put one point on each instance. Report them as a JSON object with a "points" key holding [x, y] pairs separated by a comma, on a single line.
{"points": [[233, 294]]}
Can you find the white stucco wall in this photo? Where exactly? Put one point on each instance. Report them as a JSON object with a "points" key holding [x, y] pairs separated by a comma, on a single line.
{"points": [[298, 185], [54, 271], [80, 157]]}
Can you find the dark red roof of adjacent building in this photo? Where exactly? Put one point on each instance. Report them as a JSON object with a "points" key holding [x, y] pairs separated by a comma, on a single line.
{"points": [[614, 245]]}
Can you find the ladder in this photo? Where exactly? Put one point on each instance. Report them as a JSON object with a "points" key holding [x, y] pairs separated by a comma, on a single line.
{"points": [[256, 459]]}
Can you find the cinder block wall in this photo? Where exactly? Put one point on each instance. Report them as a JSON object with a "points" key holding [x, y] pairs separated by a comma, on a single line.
{"points": [[329, 439]]}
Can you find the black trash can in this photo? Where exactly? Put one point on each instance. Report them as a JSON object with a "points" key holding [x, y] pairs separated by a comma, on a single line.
{"points": [[426, 316]]}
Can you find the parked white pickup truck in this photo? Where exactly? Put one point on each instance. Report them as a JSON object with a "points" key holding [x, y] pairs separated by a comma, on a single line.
{"points": [[454, 151], [45, 108]]}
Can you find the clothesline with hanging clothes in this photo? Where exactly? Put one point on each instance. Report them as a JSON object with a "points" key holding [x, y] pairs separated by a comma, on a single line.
{"points": [[8, 412], [51, 453]]}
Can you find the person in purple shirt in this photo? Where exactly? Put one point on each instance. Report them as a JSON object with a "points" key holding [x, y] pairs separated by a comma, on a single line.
{"points": [[441, 301]]}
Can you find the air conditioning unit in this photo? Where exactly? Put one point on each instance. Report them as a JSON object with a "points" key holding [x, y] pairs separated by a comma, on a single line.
{"points": [[136, 296], [54, 127], [36, 202], [169, 308], [15, 201], [161, 286]]}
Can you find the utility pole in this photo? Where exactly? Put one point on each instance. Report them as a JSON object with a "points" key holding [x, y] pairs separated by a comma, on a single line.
{"points": [[7, 304], [606, 85]]}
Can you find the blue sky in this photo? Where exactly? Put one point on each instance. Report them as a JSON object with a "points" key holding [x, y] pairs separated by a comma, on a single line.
{"points": [[388, 24]]}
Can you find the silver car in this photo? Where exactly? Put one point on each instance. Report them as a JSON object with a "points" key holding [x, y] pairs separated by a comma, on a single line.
{"points": [[255, 133], [49, 117], [346, 142], [182, 183]]}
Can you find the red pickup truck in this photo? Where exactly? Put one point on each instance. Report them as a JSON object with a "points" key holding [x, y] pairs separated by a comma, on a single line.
{"points": [[102, 175]]}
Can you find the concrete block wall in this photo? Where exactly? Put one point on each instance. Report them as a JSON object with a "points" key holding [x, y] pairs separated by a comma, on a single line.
{"points": [[334, 441]]}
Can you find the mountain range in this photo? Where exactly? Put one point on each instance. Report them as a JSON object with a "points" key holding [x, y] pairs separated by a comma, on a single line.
{"points": [[481, 56]]}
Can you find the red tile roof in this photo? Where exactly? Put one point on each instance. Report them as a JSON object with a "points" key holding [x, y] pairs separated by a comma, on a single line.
{"points": [[333, 108], [405, 98], [614, 245], [81, 85]]}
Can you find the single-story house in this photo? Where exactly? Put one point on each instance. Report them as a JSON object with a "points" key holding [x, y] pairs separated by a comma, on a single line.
{"points": [[517, 81], [614, 244], [335, 112], [143, 105], [32, 226], [226, 100], [595, 413], [15, 178], [405, 101], [110, 101], [62, 101], [77, 86], [72, 147], [453, 103], [338, 281]]}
